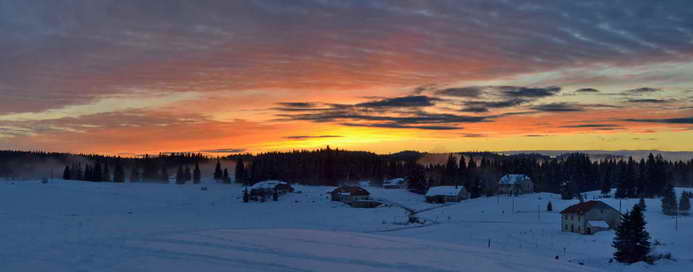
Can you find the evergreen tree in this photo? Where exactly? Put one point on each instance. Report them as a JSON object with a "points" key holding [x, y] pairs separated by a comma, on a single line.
{"points": [[134, 174], [180, 175], [106, 173], [118, 172], [66, 173], [642, 204], [225, 176], [164, 175], [187, 174], [669, 203], [197, 175], [240, 171], [549, 207], [97, 175], [684, 204], [218, 174], [632, 240]]}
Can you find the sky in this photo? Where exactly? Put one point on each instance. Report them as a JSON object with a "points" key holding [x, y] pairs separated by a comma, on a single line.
{"points": [[131, 77]]}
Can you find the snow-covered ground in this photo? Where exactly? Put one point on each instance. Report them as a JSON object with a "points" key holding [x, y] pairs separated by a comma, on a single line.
{"points": [[81, 226]]}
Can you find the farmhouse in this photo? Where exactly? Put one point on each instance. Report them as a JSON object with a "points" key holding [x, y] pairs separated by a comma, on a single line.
{"points": [[396, 183], [515, 184], [268, 188], [349, 193], [442, 194], [589, 217]]}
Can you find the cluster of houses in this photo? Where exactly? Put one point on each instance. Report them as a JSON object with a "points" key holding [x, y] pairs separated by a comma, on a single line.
{"points": [[585, 217]]}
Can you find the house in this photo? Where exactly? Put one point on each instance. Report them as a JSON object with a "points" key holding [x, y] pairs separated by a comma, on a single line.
{"points": [[266, 189], [515, 184], [442, 194], [349, 193], [589, 217], [396, 183]]}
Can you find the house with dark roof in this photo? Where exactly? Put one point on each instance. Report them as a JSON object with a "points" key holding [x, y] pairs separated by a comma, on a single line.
{"points": [[443, 194], [589, 217], [349, 193]]}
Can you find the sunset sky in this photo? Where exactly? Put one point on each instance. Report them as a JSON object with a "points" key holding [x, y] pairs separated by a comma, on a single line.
{"points": [[131, 77]]}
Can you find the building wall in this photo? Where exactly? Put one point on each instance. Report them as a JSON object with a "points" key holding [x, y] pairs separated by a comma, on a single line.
{"points": [[579, 222]]}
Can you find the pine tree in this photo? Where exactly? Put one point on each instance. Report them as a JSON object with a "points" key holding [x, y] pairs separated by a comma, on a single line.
{"points": [[684, 204], [197, 174], [669, 202], [240, 171], [225, 176], [632, 240], [164, 175], [180, 175], [642, 204], [187, 174], [118, 173], [66, 173], [549, 207], [106, 174], [218, 174], [134, 174]]}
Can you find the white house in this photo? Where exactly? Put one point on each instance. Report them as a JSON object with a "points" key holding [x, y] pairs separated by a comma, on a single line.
{"points": [[442, 194], [515, 184], [396, 183], [589, 217]]}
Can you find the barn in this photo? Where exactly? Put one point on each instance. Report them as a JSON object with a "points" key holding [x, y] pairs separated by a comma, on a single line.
{"points": [[515, 184]]}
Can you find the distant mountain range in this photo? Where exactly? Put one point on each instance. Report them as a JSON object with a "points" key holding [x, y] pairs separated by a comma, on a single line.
{"points": [[594, 154]]}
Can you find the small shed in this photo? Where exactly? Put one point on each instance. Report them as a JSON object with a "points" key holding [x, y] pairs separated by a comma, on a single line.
{"points": [[349, 193], [267, 188], [589, 217], [442, 194], [515, 184], [395, 183]]}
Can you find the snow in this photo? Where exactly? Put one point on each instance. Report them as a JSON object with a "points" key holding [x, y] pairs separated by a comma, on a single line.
{"points": [[598, 223], [444, 191], [513, 179], [82, 226], [394, 182]]}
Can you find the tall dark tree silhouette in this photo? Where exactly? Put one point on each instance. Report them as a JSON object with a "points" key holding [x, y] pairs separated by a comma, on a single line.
{"points": [[632, 240], [66, 173], [218, 174], [225, 176], [118, 172], [239, 174], [669, 202], [197, 175], [135, 174]]}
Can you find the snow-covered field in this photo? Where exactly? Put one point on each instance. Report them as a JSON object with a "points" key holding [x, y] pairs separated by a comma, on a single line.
{"points": [[81, 226]]}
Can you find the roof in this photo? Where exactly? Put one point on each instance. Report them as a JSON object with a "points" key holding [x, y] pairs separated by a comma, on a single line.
{"points": [[598, 223], [584, 207], [350, 190], [511, 179], [267, 184], [445, 191], [395, 181]]}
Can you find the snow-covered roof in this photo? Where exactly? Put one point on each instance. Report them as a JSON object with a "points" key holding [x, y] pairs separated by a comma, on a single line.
{"points": [[512, 179], [394, 181], [598, 223], [267, 184], [350, 191], [444, 191]]}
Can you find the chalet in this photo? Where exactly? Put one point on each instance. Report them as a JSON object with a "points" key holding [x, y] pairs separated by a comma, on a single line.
{"points": [[348, 193], [442, 194], [589, 217], [266, 189], [515, 184], [396, 183]]}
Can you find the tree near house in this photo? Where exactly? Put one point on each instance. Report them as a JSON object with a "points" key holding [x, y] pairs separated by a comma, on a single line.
{"points": [[642, 204], [218, 174], [549, 207], [632, 240]]}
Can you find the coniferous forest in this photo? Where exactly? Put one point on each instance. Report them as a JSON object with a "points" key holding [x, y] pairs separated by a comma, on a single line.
{"points": [[479, 172]]}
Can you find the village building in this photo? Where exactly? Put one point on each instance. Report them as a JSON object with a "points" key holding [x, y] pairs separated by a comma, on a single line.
{"points": [[268, 188], [589, 217], [442, 194], [396, 183], [349, 193], [515, 184]]}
